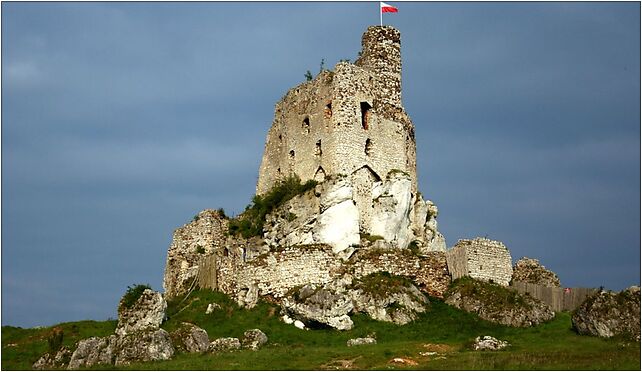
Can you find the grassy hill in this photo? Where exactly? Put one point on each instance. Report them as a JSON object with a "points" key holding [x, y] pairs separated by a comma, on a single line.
{"points": [[439, 340]]}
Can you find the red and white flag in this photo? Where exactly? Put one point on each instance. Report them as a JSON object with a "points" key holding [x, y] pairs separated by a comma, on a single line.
{"points": [[387, 8]]}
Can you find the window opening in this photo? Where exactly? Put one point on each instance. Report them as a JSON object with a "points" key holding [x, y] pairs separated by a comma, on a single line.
{"points": [[318, 151], [365, 110], [368, 148], [306, 124]]}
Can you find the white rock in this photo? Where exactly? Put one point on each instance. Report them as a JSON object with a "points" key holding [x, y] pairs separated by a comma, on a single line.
{"points": [[338, 226], [390, 217], [299, 324], [287, 320]]}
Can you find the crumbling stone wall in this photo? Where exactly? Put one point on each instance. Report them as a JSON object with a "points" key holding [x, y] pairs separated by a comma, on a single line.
{"points": [[482, 259], [204, 235], [529, 270], [345, 122]]}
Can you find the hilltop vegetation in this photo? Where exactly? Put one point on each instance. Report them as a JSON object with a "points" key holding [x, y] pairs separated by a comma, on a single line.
{"points": [[440, 339]]}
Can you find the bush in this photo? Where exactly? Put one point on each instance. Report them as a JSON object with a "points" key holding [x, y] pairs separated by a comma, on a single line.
{"points": [[55, 340], [200, 249], [221, 212], [132, 294], [250, 222]]}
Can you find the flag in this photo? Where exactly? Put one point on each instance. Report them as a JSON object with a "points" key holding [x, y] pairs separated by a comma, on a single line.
{"points": [[387, 8]]}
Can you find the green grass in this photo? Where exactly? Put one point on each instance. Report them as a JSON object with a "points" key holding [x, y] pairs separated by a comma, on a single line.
{"points": [[552, 345]]}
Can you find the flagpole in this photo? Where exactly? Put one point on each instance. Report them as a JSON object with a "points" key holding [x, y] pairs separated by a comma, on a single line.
{"points": [[380, 16]]}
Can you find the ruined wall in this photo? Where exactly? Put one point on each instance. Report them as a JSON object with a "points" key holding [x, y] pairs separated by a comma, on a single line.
{"points": [[482, 259], [203, 236], [344, 120]]}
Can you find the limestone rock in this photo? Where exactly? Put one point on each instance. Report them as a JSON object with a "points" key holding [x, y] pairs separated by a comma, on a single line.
{"points": [[529, 270], [497, 304], [253, 339], [607, 314], [146, 313], [143, 346], [59, 360], [190, 338], [211, 307], [93, 351], [190, 243], [489, 343], [391, 213], [388, 299], [248, 297], [311, 304], [326, 215], [362, 341], [225, 344], [299, 324]]}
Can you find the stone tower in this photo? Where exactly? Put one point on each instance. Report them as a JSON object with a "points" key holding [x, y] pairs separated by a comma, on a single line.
{"points": [[349, 123]]}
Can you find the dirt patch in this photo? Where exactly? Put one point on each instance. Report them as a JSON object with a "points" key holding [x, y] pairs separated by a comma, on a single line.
{"points": [[439, 348], [403, 361]]}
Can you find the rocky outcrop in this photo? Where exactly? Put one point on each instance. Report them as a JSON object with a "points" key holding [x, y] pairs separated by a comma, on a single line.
{"points": [[190, 338], [253, 339], [388, 298], [325, 215], [529, 270], [225, 344], [361, 341], [143, 346], [489, 343], [137, 338], [57, 360], [204, 235], [147, 312], [312, 305], [330, 214], [93, 351], [607, 314], [497, 304]]}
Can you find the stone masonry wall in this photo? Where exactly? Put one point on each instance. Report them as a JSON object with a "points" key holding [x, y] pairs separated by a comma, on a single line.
{"points": [[344, 120], [277, 272], [482, 259], [203, 236]]}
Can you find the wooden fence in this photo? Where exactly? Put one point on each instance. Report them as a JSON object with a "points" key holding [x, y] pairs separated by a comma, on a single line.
{"points": [[560, 299], [206, 277]]}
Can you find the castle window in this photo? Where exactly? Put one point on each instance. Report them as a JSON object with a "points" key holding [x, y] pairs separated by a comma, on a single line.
{"points": [[278, 170], [292, 154], [368, 148], [280, 138], [365, 110], [306, 124], [328, 110], [318, 151]]}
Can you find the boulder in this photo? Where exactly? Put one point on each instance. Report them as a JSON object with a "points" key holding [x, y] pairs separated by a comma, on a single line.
{"points": [[388, 298], [190, 338], [299, 324], [93, 351], [607, 314], [361, 341], [58, 360], [497, 304], [146, 313], [489, 343], [529, 270], [311, 304], [143, 346], [225, 344], [248, 297], [253, 339]]}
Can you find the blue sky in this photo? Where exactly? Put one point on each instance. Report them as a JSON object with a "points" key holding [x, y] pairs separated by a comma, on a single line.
{"points": [[121, 121]]}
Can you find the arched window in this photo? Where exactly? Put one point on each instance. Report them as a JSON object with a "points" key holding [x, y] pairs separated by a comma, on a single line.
{"points": [[365, 110]]}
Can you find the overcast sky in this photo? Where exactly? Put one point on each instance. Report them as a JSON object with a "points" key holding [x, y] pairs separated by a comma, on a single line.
{"points": [[121, 121]]}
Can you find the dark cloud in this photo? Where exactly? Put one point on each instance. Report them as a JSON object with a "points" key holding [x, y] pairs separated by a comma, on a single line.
{"points": [[123, 120]]}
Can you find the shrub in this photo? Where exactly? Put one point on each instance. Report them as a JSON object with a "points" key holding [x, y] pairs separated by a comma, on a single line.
{"points": [[132, 294], [196, 218], [200, 249], [54, 340], [250, 222], [308, 76], [221, 212]]}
